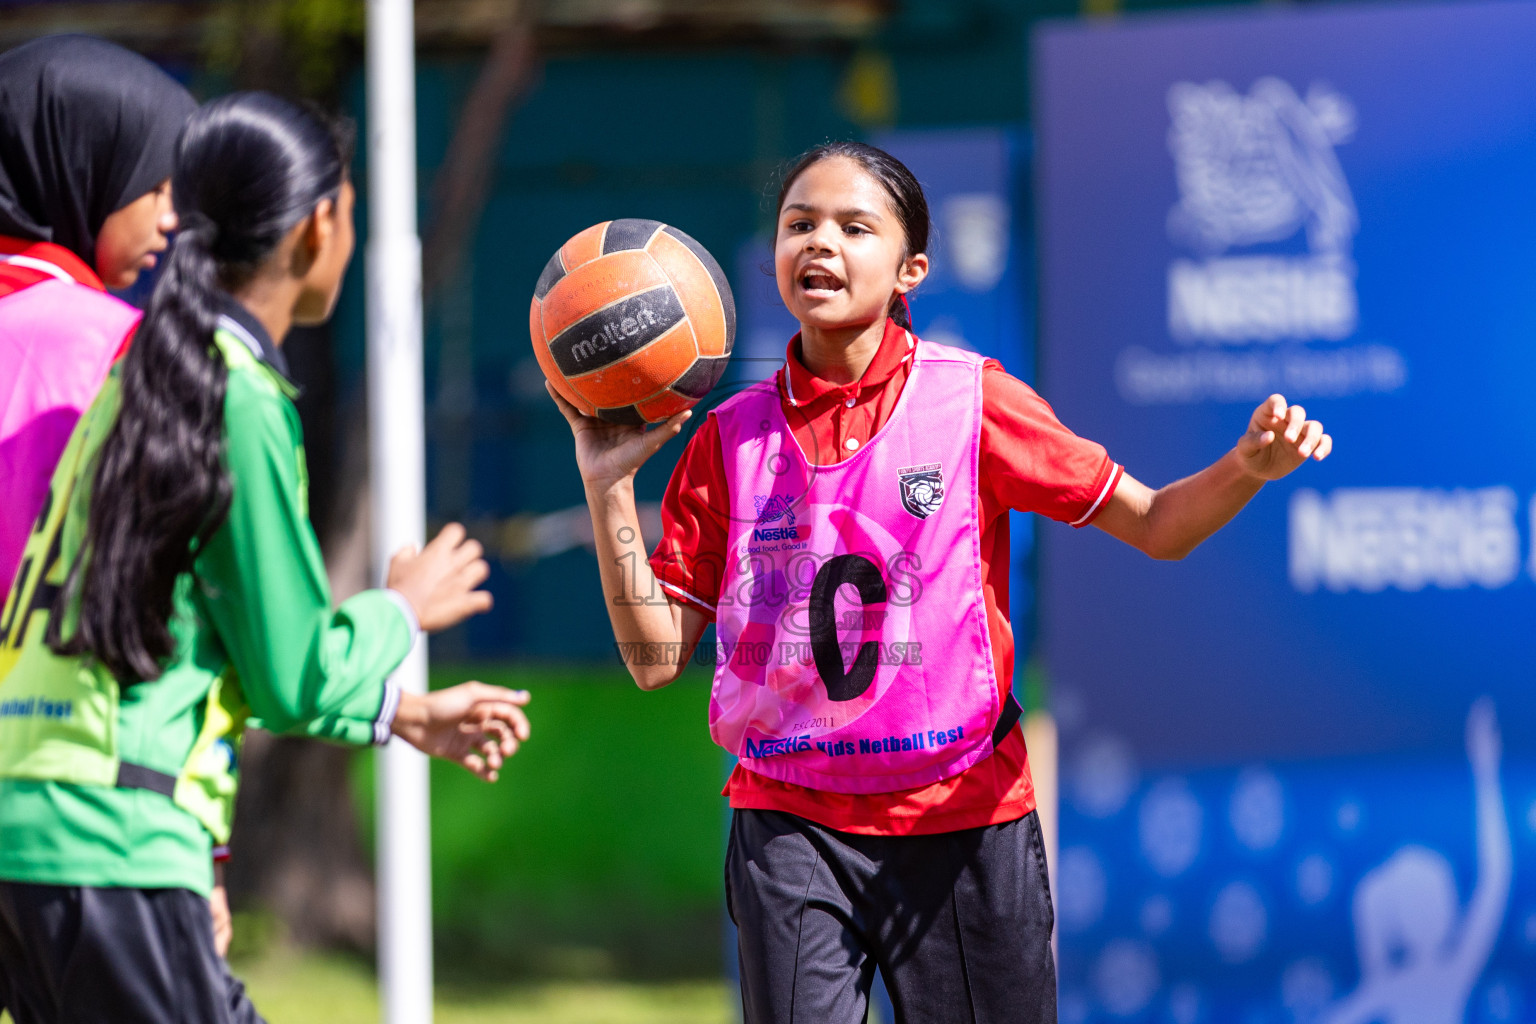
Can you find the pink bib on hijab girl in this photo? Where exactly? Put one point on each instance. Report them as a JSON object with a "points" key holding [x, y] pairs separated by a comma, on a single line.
{"points": [[58, 339], [854, 655], [86, 127]]}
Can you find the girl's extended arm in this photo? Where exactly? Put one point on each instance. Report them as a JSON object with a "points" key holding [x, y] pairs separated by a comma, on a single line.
{"points": [[1172, 521], [306, 667], [655, 633], [1485, 911]]}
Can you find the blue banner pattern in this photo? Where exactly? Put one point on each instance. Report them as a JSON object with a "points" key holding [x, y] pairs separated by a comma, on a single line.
{"points": [[1277, 773]]}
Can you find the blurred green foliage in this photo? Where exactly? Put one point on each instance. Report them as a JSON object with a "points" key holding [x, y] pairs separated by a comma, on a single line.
{"points": [[599, 852], [313, 44]]}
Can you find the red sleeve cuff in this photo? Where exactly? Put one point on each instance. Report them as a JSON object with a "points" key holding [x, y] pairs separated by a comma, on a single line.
{"points": [[1106, 490], [673, 590]]}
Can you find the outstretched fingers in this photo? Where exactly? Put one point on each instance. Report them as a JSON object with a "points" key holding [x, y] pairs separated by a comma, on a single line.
{"points": [[1266, 424], [493, 745], [1311, 437], [467, 553], [1270, 413], [496, 709], [447, 540], [1255, 441], [495, 741], [1295, 423], [474, 602], [477, 766], [479, 692], [665, 431], [572, 414], [1280, 438], [470, 569], [487, 736], [507, 721]]}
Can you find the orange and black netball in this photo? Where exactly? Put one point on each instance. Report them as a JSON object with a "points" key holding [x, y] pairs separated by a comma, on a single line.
{"points": [[632, 321]]}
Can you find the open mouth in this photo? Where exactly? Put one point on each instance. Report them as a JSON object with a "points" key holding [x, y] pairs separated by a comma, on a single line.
{"points": [[820, 281]]}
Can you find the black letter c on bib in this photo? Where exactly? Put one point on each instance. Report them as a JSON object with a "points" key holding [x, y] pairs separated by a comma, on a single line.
{"points": [[843, 684]]}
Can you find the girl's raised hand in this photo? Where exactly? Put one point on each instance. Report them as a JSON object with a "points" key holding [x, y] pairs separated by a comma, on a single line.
{"points": [[1280, 438], [441, 580], [609, 452]]}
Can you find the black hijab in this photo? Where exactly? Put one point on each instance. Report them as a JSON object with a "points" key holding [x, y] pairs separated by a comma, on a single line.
{"points": [[86, 127]]}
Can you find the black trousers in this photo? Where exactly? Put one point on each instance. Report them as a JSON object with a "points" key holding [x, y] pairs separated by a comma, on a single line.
{"points": [[959, 923], [79, 955]]}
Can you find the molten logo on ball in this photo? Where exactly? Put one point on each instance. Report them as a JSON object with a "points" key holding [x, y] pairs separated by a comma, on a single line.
{"points": [[613, 333]]}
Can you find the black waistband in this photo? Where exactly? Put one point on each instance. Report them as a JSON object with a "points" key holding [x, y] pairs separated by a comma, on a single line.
{"points": [[1012, 711], [136, 776]]}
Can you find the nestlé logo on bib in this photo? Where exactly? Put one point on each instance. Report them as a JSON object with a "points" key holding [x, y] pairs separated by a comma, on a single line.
{"points": [[922, 488], [771, 508]]}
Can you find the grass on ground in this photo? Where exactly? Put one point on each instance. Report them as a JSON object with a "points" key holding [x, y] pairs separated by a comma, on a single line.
{"points": [[290, 988]]}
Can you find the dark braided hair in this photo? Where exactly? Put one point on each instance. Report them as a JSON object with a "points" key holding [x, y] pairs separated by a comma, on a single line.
{"points": [[901, 187], [249, 166]]}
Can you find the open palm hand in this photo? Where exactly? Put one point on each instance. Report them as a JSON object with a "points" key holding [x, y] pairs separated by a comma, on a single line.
{"points": [[473, 725]]}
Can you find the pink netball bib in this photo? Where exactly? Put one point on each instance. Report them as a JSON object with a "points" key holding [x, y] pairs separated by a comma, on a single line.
{"points": [[854, 654], [57, 341]]}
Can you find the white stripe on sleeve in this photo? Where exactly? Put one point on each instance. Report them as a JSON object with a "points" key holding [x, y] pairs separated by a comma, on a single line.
{"points": [[1109, 486], [680, 592]]}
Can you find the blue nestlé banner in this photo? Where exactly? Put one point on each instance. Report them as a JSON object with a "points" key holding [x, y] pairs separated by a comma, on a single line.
{"points": [[1283, 799]]}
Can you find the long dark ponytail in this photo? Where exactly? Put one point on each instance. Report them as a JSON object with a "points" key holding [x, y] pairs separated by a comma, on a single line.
{"points": [[901, 186], [249, 166]]}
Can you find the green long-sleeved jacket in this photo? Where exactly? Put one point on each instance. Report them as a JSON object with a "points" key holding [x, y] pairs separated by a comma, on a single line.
{"points": [[253, 618]]}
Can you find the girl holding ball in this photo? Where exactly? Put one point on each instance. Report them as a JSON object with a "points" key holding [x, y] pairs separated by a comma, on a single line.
{"points": [[844, 525]]}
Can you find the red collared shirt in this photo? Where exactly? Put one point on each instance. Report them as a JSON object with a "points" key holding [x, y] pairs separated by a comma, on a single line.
{"points": [[1029, 462], [24, 263]]}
